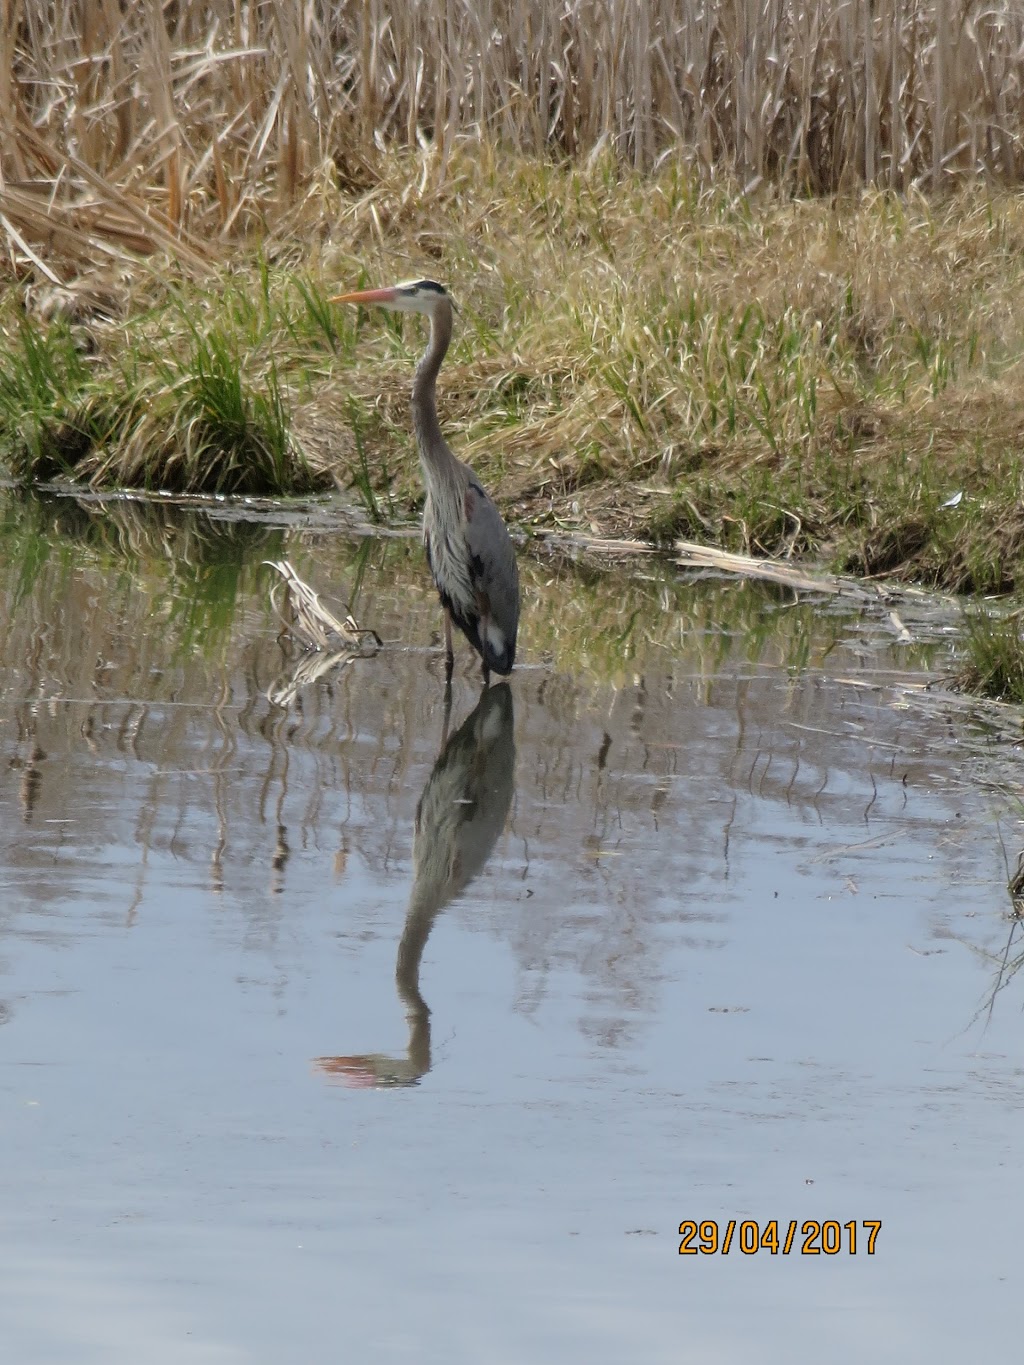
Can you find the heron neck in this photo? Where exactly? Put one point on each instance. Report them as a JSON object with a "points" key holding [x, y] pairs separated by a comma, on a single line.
{"points": [[437, 458]]}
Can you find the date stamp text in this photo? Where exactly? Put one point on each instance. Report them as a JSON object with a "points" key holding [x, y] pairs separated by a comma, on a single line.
{"points": [[808, 1238]]}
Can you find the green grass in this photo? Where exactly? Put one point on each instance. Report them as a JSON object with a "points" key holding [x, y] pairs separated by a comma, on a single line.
{"points": [[993, 649], [185, 395], [46, 421], [633, 354], [227, 435], [363, 478]]}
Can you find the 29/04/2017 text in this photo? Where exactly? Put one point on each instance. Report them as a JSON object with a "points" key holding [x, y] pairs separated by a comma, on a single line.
{"points": [[810, 1238]]}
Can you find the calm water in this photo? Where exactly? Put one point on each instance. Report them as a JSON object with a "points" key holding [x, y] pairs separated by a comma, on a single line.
{"points": [[702, 921]]}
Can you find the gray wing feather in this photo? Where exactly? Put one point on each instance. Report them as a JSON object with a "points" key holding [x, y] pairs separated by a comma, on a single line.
{"points": [[493, 560]]}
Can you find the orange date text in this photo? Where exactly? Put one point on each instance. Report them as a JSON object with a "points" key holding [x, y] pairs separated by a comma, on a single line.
{"points": [[808, 1238]]}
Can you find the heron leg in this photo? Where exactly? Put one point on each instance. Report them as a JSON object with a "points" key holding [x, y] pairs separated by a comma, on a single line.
{"points": [[446, 722], [483, 651], [449, 653]]}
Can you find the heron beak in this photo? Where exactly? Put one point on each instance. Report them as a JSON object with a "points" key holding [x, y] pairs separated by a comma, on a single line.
{"points": [[366, 296]]}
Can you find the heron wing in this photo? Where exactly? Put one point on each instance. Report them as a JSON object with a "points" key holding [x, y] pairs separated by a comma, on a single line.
{"points": [[492, 563]]}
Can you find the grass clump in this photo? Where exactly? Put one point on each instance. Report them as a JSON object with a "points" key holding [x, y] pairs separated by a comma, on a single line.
{"points": [[994, 657], [46, 421], [198, 425], [248, 429], [160, 399]]}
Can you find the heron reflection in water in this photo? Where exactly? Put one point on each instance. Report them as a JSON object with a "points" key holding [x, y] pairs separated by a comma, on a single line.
{"points": [[461, 812]]}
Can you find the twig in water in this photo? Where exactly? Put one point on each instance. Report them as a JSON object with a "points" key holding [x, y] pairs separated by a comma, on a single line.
{"points": [[303, 614], [287, 686]]}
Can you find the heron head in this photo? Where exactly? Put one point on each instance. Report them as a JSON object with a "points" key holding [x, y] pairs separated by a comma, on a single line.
{"points": [[412, 296]]}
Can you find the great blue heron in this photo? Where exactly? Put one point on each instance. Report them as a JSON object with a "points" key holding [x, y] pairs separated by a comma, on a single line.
{"points": [[469, 550]]}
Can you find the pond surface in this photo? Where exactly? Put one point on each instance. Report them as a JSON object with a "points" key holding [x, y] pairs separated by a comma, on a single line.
{"points": [[705, 920]]}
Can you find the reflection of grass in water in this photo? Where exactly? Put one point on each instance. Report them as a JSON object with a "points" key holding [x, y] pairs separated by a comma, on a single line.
{"points": [[203, 610], [25, 549], [201, 571], [595, 620], [360, 566], [599, 622], [605, 623], [139, 528], [193, 568], [596, 623]]}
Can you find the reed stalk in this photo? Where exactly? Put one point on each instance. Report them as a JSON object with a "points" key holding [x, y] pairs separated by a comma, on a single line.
{"points": [[123, 127]]}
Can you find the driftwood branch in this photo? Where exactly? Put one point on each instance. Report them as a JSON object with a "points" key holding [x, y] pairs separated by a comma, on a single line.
{"points": [[691, 555], [303, 615]]}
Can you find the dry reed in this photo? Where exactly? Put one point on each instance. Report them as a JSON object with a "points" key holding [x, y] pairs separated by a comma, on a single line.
{"points": [[142, 127]]}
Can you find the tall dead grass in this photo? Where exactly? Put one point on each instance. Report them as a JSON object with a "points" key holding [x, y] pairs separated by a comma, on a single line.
{"points": [[175, 123]]}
